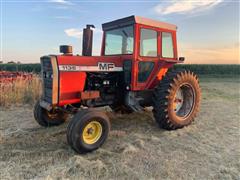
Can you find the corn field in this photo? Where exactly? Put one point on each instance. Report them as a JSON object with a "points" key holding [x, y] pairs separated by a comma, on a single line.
{"points": [[201, 69], [211, 69]]}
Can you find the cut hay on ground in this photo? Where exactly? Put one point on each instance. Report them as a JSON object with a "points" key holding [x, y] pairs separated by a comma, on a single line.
{"points": [[136, 147]]}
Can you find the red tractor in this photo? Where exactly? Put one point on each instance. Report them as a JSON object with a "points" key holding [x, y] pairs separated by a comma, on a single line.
{"points": [[132, 72]]}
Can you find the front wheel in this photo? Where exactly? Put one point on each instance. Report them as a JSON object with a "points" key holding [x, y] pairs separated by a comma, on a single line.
{"points": [[48, 118], [88, 130], [176, 100]]}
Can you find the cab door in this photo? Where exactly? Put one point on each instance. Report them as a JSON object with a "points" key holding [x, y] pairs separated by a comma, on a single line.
{"points": [[146, 55]]}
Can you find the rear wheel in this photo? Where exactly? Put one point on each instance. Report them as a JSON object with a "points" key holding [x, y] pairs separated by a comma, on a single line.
{"points": [[48, 118], [176, 100], [88, 130]]}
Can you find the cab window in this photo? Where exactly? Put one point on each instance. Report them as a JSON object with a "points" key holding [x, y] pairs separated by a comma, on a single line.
{"points": [[119, 41], [167, 45], [148, 43]]}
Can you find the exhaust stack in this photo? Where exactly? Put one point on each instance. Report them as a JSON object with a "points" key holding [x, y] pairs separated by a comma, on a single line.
{"points": [[87, 40]]}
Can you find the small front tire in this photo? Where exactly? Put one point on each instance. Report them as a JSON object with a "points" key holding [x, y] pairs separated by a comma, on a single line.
{"points": [[88, 130]]}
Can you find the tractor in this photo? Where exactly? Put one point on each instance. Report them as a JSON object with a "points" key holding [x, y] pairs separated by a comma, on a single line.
{"points": [[135, 71]]}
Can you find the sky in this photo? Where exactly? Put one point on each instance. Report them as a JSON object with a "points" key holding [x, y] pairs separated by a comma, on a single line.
{"points": [[208, 30]]}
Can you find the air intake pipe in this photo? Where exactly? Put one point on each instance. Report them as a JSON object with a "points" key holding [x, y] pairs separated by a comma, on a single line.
{"points": [[87, 40], [66, 50]]}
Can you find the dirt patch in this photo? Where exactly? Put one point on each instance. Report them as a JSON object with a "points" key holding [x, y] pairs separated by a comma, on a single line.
{"points": [[136, 147]]}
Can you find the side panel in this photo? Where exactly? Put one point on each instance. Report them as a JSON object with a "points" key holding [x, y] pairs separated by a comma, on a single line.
{"points": [[70, 86]]}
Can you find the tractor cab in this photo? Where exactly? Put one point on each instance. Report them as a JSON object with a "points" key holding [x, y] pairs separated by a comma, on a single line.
{"points": [[140, 37], [147, 47]]}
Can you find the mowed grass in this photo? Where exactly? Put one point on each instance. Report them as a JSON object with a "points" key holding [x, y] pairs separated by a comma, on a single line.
{"points": [[136, 148]]}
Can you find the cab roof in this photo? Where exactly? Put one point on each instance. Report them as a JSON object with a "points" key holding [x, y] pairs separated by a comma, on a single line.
{"points": [[137, 20]]}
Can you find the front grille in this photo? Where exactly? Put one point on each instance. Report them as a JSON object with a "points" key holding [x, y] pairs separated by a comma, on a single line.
{"points": [[47, 79]]}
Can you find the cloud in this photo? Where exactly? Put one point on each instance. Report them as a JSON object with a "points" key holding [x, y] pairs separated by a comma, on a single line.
{"points": [[72, 32], [184, 6], [77, 33], [62, 2]]}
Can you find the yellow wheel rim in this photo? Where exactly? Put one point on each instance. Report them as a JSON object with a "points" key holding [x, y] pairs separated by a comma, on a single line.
{"points": [[92, 132]]}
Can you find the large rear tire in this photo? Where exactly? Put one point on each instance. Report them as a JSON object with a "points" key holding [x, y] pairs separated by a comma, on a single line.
{"points": [[176, 100], [88, 130], [46, 118]]}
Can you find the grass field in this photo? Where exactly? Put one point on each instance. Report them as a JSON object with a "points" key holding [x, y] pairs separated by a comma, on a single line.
{"points": [[136, 147], [20, 91]]}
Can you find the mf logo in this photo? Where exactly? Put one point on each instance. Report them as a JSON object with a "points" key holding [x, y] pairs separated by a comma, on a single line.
{"points": [[106, 66]]}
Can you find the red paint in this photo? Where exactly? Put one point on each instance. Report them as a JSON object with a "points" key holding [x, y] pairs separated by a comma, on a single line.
{"points": [[70, 86]]}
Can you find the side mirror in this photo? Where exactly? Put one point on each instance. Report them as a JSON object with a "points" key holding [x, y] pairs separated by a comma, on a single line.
{"points": [[181, 59]]}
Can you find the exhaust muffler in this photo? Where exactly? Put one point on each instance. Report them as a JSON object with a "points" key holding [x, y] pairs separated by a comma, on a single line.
{"points": [[87, 40]]}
